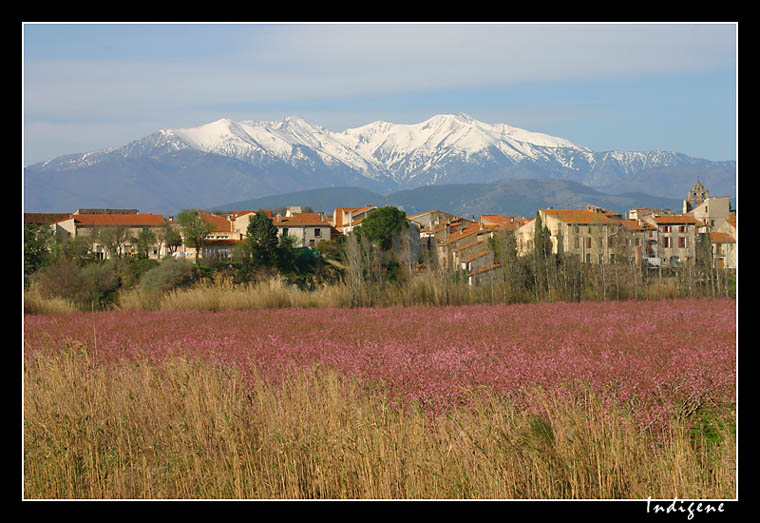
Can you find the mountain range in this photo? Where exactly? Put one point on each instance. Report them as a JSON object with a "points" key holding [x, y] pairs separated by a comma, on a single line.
{"points": [[240, 161]]}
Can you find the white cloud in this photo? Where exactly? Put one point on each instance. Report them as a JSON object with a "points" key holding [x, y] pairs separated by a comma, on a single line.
{"points": [[314, 61], [303, 63]]}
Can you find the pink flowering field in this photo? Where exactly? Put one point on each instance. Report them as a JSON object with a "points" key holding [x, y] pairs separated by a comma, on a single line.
{"points": [[661, 358]]}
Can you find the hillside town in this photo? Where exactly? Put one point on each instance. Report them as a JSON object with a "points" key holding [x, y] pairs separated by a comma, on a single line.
{"points": [[654, 238]]}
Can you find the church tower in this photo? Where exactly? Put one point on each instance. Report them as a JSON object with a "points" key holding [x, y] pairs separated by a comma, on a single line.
{"points": [[697, 195]]}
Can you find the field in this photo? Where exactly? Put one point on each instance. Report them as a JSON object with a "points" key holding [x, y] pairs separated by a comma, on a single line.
{"points": [[596, 400]]}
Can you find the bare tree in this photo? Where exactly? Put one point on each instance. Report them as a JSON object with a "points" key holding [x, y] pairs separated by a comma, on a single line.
{"points": [[114, 239]]}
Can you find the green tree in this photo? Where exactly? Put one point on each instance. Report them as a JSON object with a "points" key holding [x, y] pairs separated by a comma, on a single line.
{"points": [[194, 229], [144, 242], [286, 254], [504, 245], [75, 249], [38, 248], [542, 250], [262, 240], [382, 224]]}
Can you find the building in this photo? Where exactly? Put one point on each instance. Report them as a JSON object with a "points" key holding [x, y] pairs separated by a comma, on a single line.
{"points": [[724, 244], [697, 195], [308, 228], [346, 218], [593, 234], [463, 243], [712, 211], [91, 223], [429, 220], [241, 219], [671, 240]]}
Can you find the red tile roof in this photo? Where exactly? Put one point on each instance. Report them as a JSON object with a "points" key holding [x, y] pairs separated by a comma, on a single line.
{"points": [[216, 222], [476, 256], [485, 269], [45, 217], [676, 219], [304, 219], [127, 220], [721, 237], [580, 216]]}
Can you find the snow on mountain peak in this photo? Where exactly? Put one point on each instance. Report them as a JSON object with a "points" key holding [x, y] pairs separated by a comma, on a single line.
{"points": [[379, 147]]}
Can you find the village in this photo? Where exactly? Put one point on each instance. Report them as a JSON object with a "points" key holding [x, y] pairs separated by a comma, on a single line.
{"points": [[654, 238]]}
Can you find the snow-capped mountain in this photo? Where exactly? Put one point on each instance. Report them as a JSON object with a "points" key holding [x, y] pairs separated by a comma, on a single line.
{"points": [[227, 159]]}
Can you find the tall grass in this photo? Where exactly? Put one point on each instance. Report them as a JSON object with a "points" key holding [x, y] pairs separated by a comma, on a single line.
{"points": [[428, 289], [194, 429], [35, 303]]}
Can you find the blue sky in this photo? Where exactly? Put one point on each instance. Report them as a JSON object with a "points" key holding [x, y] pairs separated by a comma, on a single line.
{"points": [[632, 87]]}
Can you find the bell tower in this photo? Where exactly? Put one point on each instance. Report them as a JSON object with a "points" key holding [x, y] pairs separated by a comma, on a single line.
{"points": [[697, 195]]}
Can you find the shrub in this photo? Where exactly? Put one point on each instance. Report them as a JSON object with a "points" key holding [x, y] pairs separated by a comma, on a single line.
{"points": [[66, 280], [104, 282], [94, 285], [168, 275], [132, 270]]}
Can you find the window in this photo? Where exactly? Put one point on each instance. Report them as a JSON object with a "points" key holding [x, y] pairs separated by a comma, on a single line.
{"points": [[317, 232], [588, 243], [683, 242], [666, 242], [577, 242]]}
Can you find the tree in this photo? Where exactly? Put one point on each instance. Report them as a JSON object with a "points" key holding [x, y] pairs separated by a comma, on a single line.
{"points": [[38, 247], [144, 241], [194, 229], [382, 224], [542, 250], [114, 239], [77, 249], [504, 245], [170, 237], [262, 240], [286, 254]]}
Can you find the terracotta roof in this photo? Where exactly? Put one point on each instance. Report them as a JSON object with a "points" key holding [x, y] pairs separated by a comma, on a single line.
{"points": [[486, 269], [458, 236], [476, 256], [676, 218], [341, 212], [463, 247], [580, 216], [633, 225], [128, 220], [45, 217], [363, 210], [216, 222], [721, 237], [503, 222], [304, 219]]}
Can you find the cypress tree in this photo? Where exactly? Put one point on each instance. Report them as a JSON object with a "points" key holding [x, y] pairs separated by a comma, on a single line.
{"points": [[262, 240]]}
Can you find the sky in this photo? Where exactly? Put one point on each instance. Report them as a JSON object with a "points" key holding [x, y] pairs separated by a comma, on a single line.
{"points": [[628, 87]]}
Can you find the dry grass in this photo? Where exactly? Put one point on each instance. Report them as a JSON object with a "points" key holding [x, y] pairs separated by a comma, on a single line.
{"points": [[425, 289], [35, 303], [191, 430]]}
